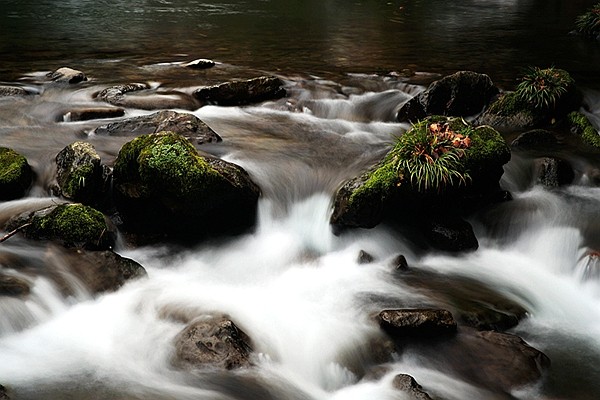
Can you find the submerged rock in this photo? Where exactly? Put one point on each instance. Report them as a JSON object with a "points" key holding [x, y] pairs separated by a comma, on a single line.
{"points": [[464, 93], [417, 322], [162, 185], [139, 95], [212, 342], [16, 174], [500, 362], [79, 174], [473, 303], [67, 75], [86, 114], [408, 385], [102, 271], [13, 286], [187, 125], [242, 92], [11, 91], [71, 225]]}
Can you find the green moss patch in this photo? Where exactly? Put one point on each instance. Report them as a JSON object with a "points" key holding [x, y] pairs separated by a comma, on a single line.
{"points": [[163, 164], [15, 174], [582, 126], [75, 225]]}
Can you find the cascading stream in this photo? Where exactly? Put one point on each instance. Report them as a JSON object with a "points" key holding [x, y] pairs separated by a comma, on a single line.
{"points": [[296, 289]]}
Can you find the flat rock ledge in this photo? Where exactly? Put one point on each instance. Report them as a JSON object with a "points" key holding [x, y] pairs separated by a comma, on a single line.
{"points": [[417, 322]]}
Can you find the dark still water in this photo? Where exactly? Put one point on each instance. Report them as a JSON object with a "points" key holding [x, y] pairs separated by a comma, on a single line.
{"points": [[498, 37]]}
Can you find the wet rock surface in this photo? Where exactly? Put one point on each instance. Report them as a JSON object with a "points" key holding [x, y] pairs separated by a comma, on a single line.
{"points": [[79, 174], [67, 75], [421, 323], [242, 92], [464, 93], [493, 360], [187, 125], [102, 271], [212, 342], [408, 385]]}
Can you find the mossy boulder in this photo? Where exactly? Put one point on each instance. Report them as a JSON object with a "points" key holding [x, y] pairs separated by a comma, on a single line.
{"points": [[580, 125], [386, 193], [71, 225], [461, 94], [162, 185], [544, 97], [79, 174], [16, 174]]}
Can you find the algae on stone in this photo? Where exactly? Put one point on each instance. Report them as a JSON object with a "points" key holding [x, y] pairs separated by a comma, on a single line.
{"points": [[582, 126], [163, 185], [74, 225], [15, 174]]}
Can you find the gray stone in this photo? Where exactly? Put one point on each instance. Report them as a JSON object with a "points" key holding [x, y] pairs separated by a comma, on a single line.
{"points": [[212, 342]]}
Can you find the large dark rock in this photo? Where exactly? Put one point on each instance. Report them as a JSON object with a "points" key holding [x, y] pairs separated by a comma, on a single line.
{"points": [[212, 342], [71, 225], [16, 174], [461, 94], [450, 233], [420, 323], [187, 125], [67, 75], [79, 174], [162, 186], [242, 92], [408, 385]]}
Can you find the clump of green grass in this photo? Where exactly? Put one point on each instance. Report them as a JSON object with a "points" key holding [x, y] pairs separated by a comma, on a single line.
{"points": [[429, 156], [588, 24], [542, 88]]}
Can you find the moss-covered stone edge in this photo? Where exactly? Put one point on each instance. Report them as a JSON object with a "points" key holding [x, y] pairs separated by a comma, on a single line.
{"points": [[486, 145], [583, 127], [75, 225], [15, 173], [164, 163]]}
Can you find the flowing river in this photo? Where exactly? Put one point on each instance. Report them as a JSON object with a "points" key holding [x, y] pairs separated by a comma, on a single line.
{"points": [[295, 287]]}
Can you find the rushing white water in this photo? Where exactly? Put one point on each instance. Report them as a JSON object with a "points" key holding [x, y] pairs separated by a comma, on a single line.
{"points": [[298, 290]]}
